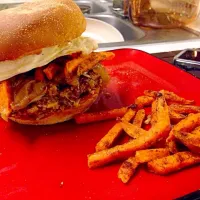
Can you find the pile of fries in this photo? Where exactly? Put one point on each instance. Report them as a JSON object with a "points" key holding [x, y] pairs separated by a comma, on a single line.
{"points": [[171, 143]]}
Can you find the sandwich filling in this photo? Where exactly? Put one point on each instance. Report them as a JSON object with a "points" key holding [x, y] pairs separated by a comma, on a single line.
{"points": [[57, 86]]}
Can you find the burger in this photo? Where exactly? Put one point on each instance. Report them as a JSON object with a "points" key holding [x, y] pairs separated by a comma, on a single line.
{"points": [[48, 72]]}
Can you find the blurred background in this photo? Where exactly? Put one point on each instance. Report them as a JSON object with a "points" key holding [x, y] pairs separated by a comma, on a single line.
{"points": [[149, 25]]}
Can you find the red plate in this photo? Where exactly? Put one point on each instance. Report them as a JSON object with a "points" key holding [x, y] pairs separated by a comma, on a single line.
{"points": [[51, 162]]}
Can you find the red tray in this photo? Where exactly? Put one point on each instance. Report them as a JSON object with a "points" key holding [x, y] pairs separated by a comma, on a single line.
{"points": [[50, 163]]}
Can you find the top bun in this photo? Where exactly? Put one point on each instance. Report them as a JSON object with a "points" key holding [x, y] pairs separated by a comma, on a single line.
{"points": [[28, 28]]}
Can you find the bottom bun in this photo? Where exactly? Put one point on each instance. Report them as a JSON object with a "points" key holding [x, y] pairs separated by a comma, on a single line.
{"points": [[61, 116]]}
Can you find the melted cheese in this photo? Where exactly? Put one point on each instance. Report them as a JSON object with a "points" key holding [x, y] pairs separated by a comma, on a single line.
{"points": [[10, 68]]}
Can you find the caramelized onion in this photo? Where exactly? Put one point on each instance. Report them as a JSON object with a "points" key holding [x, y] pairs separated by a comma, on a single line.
{"points": [[30, 92], [98, 69]]}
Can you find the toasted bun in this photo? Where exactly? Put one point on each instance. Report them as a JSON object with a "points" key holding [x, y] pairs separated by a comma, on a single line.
{"points": [[61, 116], [28, 28]]}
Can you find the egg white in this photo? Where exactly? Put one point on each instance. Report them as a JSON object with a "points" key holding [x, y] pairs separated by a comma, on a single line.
{"points": [[10, 68]]}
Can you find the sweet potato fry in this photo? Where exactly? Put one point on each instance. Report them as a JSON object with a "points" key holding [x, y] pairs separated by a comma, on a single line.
{"points": [[139, 118], [156, 122], [187, 125], [153, 113], [100, 116], [160, 113], [189, 140], [173, 163], [129, 166], [147, 155], [151, 93], [78, 66], [51, 70], [184, 109], [120, 151], [39, 75], [169, 96], [146, 140], [172, 146], [114, 132], [172, 97], [92, 60], [125, 150], [132, 130], [144, 101], [196, 131], [72, 65], [127, 169], [175, 117]]}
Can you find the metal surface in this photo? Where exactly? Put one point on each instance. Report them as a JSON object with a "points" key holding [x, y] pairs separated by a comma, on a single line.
{"points": [[153, 36], [95, 6], [4, 6], [128, 31], [137, 35]]}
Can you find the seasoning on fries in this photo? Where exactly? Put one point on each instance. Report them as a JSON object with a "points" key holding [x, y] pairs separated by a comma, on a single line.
{"points": [[190, 140], [173, 163], [151, 93], [144, 141], [153, 114], [147, 155], [133, 130], [196, 131], [127, 169], [100, 116], [172, 117], [143, 101], [172, 97], [184, 109], [108, 140], [129, 166], [139, 118], [120, 152], [187, 124], [175, 117], [169, 96]]}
